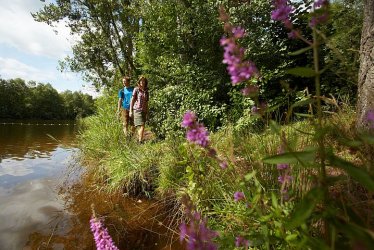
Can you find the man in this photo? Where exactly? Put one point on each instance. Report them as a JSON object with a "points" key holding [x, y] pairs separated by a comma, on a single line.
{"points": [[124, 98]]}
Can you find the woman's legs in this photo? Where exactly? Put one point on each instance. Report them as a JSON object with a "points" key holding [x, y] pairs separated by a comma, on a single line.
{"points": [[141, 133]]}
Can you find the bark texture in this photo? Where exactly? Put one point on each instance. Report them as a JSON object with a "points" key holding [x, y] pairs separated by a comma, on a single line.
{"points": [[365, 101]]}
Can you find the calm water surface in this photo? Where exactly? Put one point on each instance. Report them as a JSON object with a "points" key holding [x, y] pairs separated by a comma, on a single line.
{"points": [[34, 157], [36, 161]]}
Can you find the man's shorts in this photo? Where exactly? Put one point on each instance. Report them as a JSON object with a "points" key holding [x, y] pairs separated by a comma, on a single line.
{"points": [[126, 119]]}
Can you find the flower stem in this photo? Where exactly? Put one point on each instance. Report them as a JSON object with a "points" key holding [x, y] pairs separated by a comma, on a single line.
{"points": [[319, 129]]}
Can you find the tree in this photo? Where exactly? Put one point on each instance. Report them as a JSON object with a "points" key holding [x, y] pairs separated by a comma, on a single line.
{"points": [[106, 28], [365, 101]]}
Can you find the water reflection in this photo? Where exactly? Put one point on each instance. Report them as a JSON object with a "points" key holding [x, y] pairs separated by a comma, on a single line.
{"points": [[33, 159], [24, 209], [33, 140], [133, 223], [33, 215]]}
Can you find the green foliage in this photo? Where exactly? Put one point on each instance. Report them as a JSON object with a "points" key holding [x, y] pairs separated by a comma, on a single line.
{"points": [[169, 104]]}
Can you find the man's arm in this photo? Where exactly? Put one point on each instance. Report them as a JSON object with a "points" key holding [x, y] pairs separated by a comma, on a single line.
{"points": [[119, 105]]}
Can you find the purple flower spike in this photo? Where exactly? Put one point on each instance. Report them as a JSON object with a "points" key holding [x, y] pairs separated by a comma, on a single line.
{"points": [[223, 164], [196, 233], [239, 69], [318, 20], [320, 3], [282, 166], [238, 32], [284, 179], [282, 12], [189, 119], [370, 118], [183, 231], [254, 110], [293, 34], [198, 135], [238, 196], [250, 90], [196, 132], [241, 242], [102, 238]]}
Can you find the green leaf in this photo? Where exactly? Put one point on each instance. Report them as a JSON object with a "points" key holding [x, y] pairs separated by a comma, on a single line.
{"points": [[274, 200], [250, 175], [305, 208], [275, 127], [300, 51], [356, 173], [302, 102], [291, 157], [304, 115], [368, 139], [302, 72]]}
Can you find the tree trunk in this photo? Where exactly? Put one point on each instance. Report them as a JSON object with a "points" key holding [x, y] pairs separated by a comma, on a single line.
{"points": [[365, 101]]}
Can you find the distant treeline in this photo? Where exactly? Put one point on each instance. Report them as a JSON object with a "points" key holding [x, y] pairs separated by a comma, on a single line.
{"points": [[31, 100]]}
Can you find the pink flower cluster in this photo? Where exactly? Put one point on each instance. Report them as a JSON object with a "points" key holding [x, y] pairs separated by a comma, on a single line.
{"points": [[238, 196], [282, 12], [196, 132], [196, 233], [284, 178], [239, 69], [321, 16], [241, 242], [102, 238], [370, 118]]}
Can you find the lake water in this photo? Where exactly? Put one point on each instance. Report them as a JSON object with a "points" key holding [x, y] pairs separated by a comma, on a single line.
{"points": [[43, 205], [34, 157]]}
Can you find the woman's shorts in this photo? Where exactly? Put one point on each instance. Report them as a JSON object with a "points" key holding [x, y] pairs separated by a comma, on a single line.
{"points": [[139, 118]]}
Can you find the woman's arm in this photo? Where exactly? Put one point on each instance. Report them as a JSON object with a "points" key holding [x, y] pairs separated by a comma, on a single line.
{"points": [[132, 102]]}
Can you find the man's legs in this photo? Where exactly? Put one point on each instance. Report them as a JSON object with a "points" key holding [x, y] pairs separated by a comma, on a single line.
{"points": [[125, 120]]}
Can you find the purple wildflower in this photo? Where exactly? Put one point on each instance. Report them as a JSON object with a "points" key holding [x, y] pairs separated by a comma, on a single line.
{"points": [[189, 119], [284, 193], [284, 179], [183, 231], [238, 196], [316, 20], [196, 233], [223, 164], [238, 32], [320, 3], [199, 135], [250, 90], [282, 12], [370, 118], [293, 34], [239, 69], [196, 132], [254, 110], [241, 241], [282, 166], [102, 238]]}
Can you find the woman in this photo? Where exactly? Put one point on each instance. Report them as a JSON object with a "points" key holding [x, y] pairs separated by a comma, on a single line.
{"points": [[139, 106]]}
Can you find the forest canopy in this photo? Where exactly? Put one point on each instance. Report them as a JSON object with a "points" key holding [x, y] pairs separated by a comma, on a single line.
{"points": [[31, 100], [176, 45]]}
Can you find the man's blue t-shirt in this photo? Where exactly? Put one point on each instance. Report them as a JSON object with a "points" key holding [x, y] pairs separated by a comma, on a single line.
{"points": [[125, 94]]}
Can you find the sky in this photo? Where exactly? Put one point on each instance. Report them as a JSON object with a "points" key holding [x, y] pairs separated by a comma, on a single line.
{"points": [[31, 50]]}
